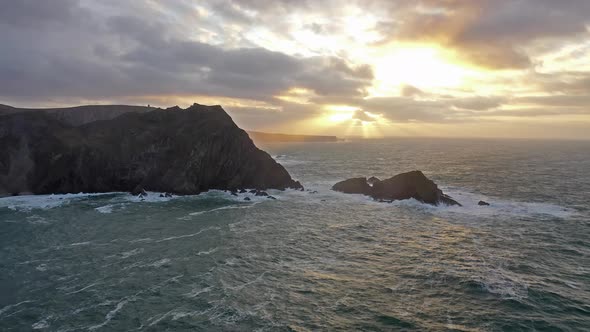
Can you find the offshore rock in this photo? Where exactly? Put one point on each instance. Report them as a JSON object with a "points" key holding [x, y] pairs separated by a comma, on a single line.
{"points": [[402, 186]]}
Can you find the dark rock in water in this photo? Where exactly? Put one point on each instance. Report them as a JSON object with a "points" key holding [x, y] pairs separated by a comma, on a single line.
{"points": [[261, 193], [162, 195], [253, 191], [181, 152], [271, 197], [243, 191], [313, 192], [247, 199], [372, 180], [483, 203], [139, 191], [353, 186], [168, 195], [402, 186], [299, 186], [233, 193]]}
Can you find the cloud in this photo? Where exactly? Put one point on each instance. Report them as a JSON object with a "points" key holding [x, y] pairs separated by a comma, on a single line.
{"points": [[492, 34], [254, 54], [363, 116], [124, 55]]}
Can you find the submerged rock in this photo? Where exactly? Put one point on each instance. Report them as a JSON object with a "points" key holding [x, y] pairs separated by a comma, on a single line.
{"points": [[180, 152], [402, 186], [483, 203], [247, 199]]}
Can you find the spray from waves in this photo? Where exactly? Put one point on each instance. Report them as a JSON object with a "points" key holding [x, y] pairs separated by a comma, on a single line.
{"points": [[498, 206], [501, 206]]}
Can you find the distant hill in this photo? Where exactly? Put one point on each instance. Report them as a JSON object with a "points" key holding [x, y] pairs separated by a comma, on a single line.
{"points": [[270, 137]]}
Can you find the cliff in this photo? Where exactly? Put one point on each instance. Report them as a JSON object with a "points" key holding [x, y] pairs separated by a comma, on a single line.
{"points": [[178, 151]]}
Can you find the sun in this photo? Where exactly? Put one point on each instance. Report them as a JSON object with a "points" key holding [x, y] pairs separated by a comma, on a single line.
{"points": [[422, 66]]}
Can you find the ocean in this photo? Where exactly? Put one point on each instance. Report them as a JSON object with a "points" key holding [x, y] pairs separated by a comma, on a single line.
{"points": [[317, 260]]}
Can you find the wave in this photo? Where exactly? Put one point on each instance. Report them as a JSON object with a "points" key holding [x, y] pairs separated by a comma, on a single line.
{"points": [[28, 203], [230, 207], [42, 324], [107, 209], [469, 200], [207, 252], [501, 206], [8, 307], [109, 316], [187, 235]]}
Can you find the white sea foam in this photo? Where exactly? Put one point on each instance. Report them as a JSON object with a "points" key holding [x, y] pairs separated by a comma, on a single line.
{"points": [[198, 291], [208, 252], [469, 201], [76, 244], [498, 282], [110, 315], [37, 220], [230, 207], [159, 263], [83, 288], [500, 206], [146, 239], [41, 267], [187, 235], [108, 208], [31, 202], [130, 253], [8, 307], [152, 197], [42, 324]]}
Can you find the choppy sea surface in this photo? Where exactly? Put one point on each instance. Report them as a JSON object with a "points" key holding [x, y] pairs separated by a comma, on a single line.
{"points": [[317, 261]]}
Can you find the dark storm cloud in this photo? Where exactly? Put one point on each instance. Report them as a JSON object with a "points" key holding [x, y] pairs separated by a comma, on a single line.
{"points": [[110, 56]]}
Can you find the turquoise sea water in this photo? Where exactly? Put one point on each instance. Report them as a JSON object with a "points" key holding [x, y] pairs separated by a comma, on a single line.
{"points": [[323, 261]]}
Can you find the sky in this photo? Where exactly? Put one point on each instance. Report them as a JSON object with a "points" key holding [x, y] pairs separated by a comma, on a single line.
{"points": [[372, 68]]}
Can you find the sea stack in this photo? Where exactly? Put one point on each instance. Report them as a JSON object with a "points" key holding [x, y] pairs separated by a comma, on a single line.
{"points": [[178, 151], [402, 186]]}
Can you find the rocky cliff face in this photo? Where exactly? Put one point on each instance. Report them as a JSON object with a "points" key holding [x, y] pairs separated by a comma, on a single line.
{"points": [[178, 151], [402, 186]]}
